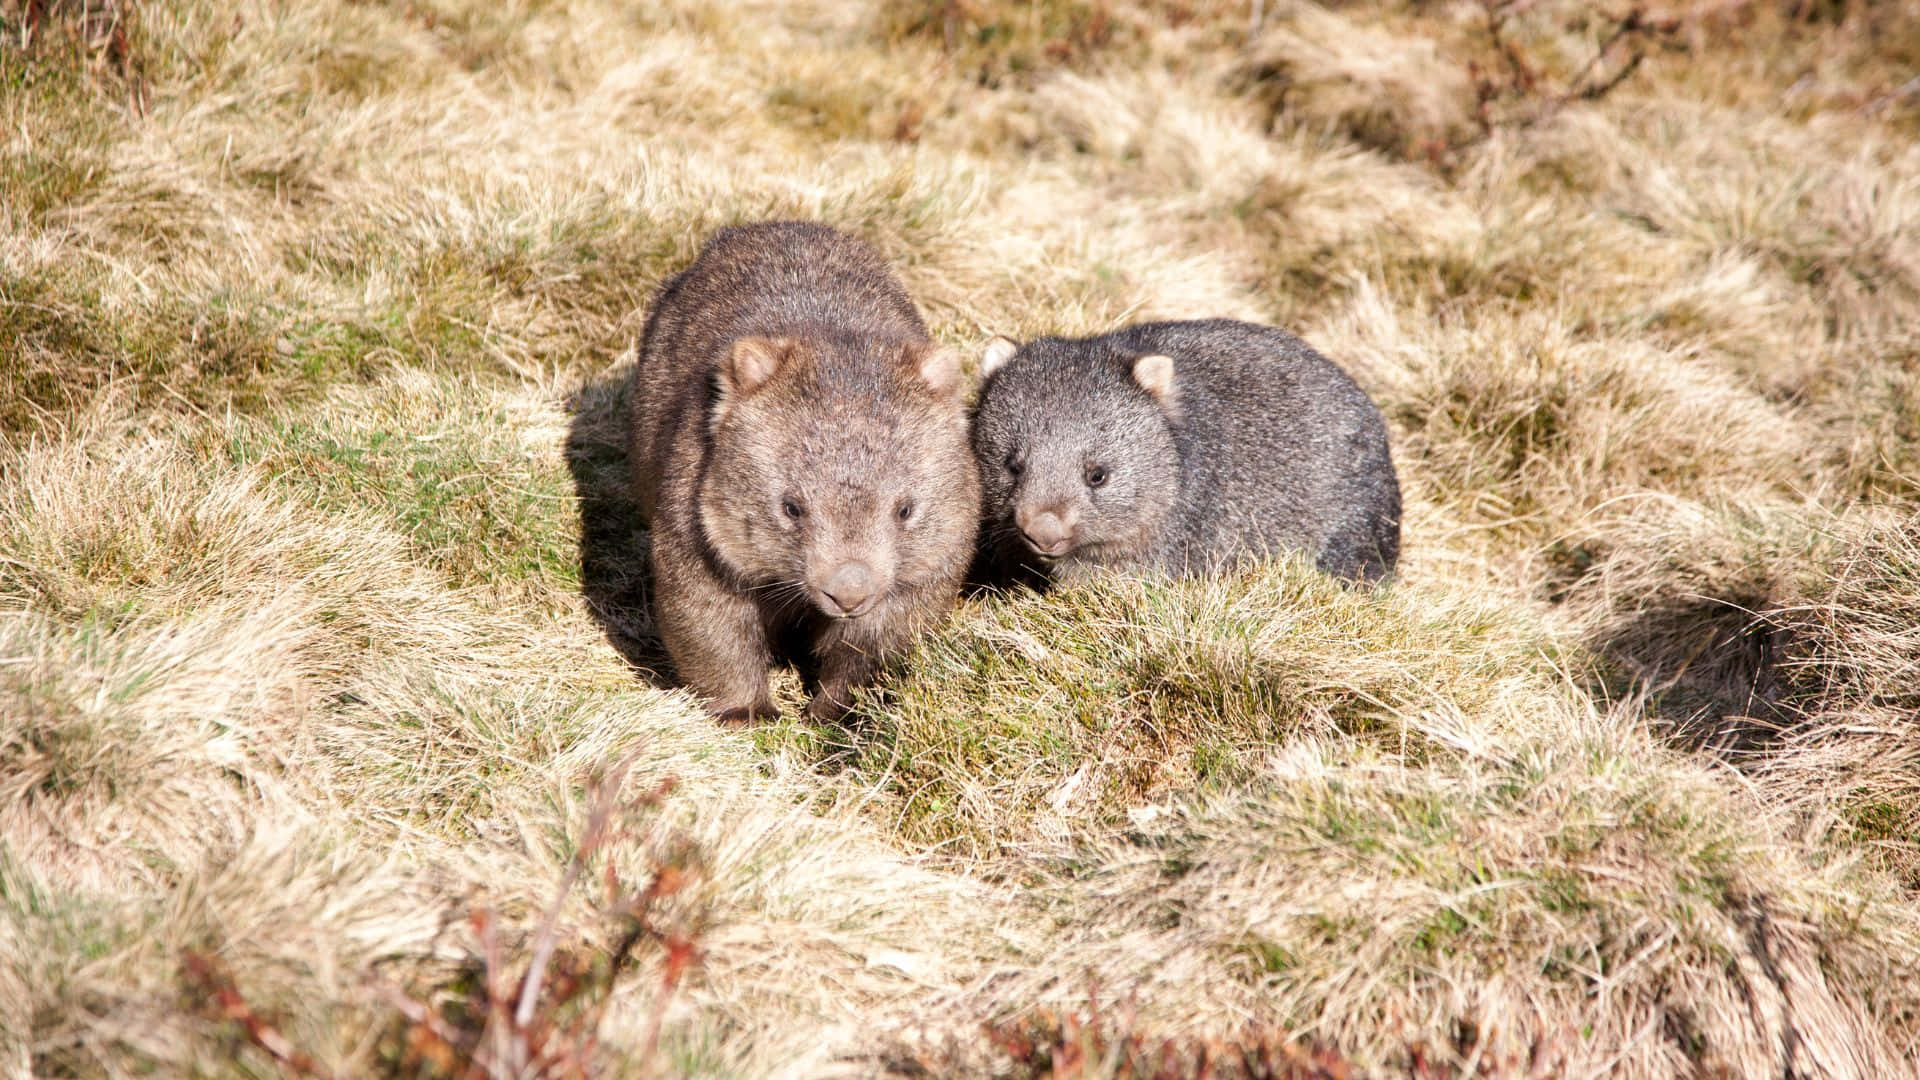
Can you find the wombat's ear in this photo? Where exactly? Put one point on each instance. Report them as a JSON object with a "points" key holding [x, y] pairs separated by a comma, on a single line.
{"points": [[939, 368], [752, 361], [999, 351], [1155, 376]]}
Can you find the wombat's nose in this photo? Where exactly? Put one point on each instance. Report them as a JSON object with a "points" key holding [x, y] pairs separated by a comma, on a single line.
{"points": [[849, 588], [1047, 532]]}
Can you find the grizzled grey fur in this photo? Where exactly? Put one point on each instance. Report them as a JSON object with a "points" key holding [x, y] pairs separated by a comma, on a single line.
{"points": [[800, 452], [1183, 447]]}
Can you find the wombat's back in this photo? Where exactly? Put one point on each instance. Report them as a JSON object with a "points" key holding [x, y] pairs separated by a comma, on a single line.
{"points": [[770, 278], [1279, 448]]}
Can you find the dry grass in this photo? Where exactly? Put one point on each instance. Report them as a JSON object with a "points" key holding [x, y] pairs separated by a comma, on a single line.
{"points": [[318, 584]]}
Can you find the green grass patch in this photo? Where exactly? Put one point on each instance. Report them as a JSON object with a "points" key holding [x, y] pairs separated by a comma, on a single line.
{"points": [[61, 135], [472, 499], [1421, 873], [239, 351], [1083, 703]]}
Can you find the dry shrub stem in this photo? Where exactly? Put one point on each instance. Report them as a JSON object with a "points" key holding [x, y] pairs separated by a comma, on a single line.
{"points": [[105, 32], [209, 978], [1521, 81], [528, 1034]]}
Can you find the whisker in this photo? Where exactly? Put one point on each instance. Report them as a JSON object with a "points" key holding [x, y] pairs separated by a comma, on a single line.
{"points": [[783, 592]]}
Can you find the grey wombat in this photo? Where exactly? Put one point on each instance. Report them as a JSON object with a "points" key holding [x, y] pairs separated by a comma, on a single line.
{"points": [[1183, 447], [800, 453]]}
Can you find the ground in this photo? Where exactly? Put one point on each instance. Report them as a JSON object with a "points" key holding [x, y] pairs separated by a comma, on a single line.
{"points": [[322, 607]]}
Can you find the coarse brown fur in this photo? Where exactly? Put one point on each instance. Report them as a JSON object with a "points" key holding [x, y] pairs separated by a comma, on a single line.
{"points": [[800, 454]]}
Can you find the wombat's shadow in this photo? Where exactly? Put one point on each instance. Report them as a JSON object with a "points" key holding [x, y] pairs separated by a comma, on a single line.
{"points": [[613, 544]]}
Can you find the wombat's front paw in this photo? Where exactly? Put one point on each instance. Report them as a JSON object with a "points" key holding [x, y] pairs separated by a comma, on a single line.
{"points": [[826, 708], [745, 715]]}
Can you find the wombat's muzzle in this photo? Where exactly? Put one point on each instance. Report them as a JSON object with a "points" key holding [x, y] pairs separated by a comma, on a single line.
{"points": [[849, 591], [1049, 532]]}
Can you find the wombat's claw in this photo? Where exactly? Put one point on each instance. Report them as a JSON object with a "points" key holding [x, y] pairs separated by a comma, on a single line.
{"points": [[742, 716], [825, 709]]}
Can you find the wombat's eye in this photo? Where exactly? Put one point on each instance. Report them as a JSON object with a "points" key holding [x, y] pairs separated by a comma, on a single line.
{"points": [[1014, 465], [1096, 475], [904, 511], [793, 509]]}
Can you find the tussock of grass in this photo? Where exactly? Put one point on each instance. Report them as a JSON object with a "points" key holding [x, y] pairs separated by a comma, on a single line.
{"points": [[1033, 716], [313, 328], [1341, 897], [997, 41], [1381, 87], [1788, 639]]}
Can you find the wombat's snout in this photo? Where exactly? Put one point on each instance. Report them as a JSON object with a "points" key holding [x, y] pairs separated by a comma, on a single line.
{"points": [[1049, 532], [848, 591]]}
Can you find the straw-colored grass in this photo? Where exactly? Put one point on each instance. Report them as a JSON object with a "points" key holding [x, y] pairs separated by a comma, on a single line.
{"points": [[321, 600]]}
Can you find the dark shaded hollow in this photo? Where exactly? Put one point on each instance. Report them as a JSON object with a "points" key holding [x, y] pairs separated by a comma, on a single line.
{"points": [[1712, 671]]}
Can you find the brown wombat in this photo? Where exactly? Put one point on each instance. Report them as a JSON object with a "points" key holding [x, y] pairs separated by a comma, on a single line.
{"points": [[800, 452], [1183, 447]]}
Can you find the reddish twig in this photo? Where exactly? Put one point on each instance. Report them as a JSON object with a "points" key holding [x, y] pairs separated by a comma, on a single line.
{"points": [[604, 802], [208, 975], [525, 1027]]}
